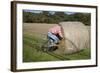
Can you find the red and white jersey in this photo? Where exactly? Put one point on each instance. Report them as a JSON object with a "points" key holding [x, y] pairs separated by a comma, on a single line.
{"points": [[56, 30]]}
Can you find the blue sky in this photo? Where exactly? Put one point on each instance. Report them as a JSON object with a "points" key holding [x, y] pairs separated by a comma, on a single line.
{"points": [[52, 12], [34, 11]]}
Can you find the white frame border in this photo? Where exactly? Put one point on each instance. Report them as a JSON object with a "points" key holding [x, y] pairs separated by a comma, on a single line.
{"points": [[21, 65]]}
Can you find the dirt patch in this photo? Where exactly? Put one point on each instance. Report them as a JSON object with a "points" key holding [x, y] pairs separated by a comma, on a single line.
{"points": [[39, 28]]}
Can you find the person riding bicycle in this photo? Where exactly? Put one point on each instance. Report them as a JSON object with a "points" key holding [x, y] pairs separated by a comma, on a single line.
{"points": [[54, 35]]}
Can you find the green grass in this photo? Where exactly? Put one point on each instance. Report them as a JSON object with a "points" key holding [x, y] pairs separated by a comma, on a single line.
{"points": [[30, 50], [84, 54], [32, 45]]}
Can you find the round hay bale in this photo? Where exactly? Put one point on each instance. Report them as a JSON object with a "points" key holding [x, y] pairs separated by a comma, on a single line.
{"points": [[77, 36]]}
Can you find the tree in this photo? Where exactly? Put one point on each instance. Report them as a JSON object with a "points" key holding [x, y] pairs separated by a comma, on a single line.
{"points": [[83, 17], [47, 17]]}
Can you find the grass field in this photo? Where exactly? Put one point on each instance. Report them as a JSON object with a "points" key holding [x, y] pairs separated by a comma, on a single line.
{"points": [[34, 37]]}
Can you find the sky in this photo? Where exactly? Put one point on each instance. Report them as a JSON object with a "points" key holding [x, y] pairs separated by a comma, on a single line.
{"points": [[51, 12]]}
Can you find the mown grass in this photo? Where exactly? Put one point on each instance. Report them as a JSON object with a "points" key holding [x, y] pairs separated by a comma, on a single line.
{"points": [[32, 46], [83, 54], [31, 50]]}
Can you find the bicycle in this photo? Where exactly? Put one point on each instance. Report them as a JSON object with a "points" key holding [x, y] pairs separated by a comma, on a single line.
{"points": [[50, 50], [49, 46]]}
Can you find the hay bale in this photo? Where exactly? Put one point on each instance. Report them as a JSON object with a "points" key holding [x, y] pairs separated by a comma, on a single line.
{"points": [[77, 36]]}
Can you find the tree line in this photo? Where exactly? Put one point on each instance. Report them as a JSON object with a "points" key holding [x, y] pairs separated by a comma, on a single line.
{"points": [[47, 17]]}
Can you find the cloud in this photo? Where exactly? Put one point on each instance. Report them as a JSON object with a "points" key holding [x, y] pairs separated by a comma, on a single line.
{"points": [[69, 13]]}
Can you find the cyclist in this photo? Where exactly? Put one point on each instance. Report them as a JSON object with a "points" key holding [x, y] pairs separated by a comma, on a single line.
{"points": [[54, 35]]}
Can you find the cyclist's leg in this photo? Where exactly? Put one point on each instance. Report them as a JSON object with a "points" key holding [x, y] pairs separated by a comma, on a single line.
{"points": [[52, 41], [54, 37]]}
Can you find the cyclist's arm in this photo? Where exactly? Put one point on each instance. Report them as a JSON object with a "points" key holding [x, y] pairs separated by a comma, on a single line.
{"points": [[60, 34]]}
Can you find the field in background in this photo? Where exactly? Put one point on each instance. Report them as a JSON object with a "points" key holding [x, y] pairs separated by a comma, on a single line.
{"points": [[34, 36]]}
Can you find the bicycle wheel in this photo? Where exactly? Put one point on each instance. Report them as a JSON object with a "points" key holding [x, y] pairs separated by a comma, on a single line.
{"points": [[44, 47]]}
